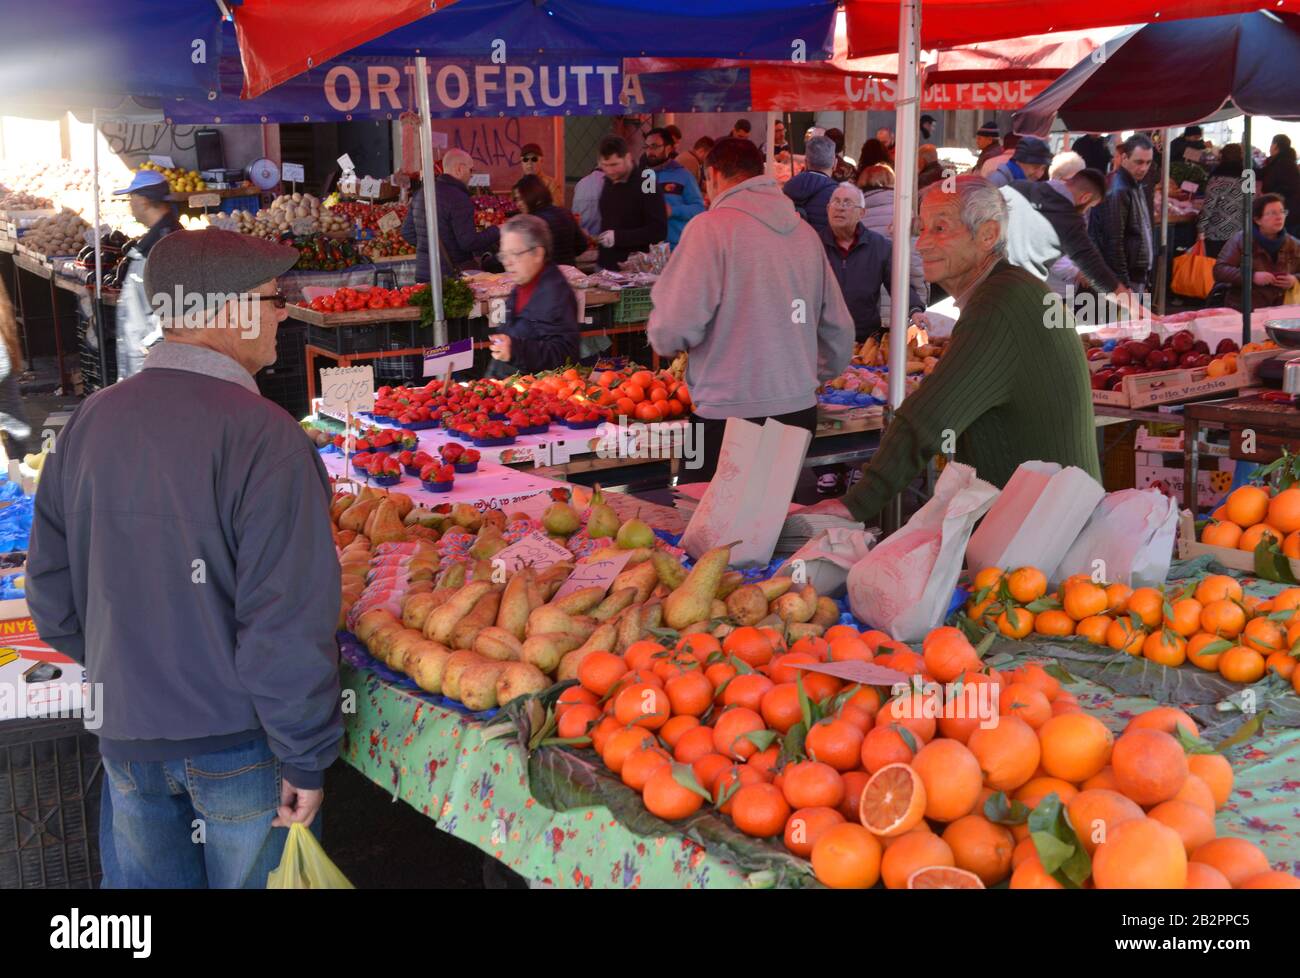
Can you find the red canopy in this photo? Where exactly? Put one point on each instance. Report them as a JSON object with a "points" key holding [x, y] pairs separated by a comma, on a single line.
{"points": [[873, 24]]}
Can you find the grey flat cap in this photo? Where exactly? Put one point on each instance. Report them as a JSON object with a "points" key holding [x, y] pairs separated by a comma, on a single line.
{"points": [[213, 262], [1031, 149]]}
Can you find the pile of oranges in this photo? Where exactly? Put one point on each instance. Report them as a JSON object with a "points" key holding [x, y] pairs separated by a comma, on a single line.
{"points": [[640, 395], [1212, 624], [1251, 513], [907, 789]]}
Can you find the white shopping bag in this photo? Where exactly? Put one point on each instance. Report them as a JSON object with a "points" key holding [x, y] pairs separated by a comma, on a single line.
{"points": [[826, 559], [1037, 517], [905, 584], [750, 493], [1129, 539]]}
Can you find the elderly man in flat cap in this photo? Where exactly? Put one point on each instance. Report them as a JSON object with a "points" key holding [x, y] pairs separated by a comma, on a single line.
{"points": [[181, 549]]}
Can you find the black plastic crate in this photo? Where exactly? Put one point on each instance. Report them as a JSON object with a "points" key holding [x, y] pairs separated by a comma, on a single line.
{"points": [[367, 339], [91, 336], [285, 381], [51, 777]]}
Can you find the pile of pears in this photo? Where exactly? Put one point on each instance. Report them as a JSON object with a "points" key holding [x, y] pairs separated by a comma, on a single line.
{"points": [[561, 521]]}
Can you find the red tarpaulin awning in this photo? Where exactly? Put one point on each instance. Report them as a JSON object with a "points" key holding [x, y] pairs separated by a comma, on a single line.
{"points": [[873, 24]]}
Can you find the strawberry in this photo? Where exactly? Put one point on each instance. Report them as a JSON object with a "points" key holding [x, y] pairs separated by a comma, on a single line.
{"points": [[470, 456]]}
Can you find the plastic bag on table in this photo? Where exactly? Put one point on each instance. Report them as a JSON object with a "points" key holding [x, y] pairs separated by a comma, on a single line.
{"points": [[1129, 539], [304, 865], [829, 556]]}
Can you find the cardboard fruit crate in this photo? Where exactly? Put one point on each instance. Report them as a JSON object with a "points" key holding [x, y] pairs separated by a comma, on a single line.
{"points": [[1184, 384], [1188, 546]]}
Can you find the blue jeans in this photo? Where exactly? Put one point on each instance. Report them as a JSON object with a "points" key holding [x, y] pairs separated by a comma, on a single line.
{"points": [[203, 821]]}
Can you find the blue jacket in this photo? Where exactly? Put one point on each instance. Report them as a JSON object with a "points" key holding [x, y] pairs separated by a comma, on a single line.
{"points": [[683, 195], [545, 335], [460, 245], [181, 549], [811, 192], [862, 276]]}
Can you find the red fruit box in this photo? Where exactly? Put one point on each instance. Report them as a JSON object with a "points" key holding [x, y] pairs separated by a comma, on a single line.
{"points": [[1185, 384]]}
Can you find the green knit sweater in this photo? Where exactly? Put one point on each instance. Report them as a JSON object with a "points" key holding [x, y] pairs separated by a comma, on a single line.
{"points": [[1012, 386]]}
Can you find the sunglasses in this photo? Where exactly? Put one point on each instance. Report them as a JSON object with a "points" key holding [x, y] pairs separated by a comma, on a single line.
{"points": [[531, 159], [278, 298]]}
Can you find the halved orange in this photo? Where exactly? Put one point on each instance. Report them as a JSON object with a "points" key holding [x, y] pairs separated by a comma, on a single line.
{"points": [[943, 878], [893, 802]]}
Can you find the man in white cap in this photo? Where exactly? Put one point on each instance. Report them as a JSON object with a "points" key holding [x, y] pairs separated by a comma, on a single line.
{"points": [[137, 327]]}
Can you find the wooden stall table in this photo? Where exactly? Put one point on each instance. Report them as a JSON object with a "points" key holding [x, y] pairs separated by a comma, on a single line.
{"points": [[1275, 424], [41, 267]]}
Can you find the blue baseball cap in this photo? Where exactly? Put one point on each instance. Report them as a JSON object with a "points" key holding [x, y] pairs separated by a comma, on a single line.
{"points": [[147, 183]]}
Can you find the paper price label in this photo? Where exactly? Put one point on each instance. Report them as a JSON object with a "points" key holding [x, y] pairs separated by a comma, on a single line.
{"points": [[536, 550], [205, 200], [390, 222], [550, 453], [370, 187], [293, 172], [343, 389], [166, 162], [458, 356], [598, 572], [345, 164], [1191, 186], [302, 225], [480, 180], [438, 139]]}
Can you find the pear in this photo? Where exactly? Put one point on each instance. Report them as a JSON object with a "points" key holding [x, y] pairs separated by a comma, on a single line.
{"points": [[670, 571], [368, 623], [635, 533], [495, 518], [483, 614], [417, 608], [419, 587], [488, 544], [456, 665], [730, 581], [547, 649], [454, 576], [344, 537], [519, 679], [602, 521], [643, 577], [419, 569], [692, 600], [467, 517], [718, 609], [340, 504], [796, 607], [395, 654], [550, 580], [774, 587], [442, 622], [483, 570], [355, 516], [478, 684], [747, 605], [560, 519], [386, 525], [497, 643], [603, 639], [613, 604], [629, 628], [548, 618], [382, 637], [803, 629], [425, 663], [652, 615], [827, 613], [579, 602], [402, 501], [515, 607], [568, 667]]}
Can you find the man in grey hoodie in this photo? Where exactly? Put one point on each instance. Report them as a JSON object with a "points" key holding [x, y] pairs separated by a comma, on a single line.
{"points": [[750, 295]]}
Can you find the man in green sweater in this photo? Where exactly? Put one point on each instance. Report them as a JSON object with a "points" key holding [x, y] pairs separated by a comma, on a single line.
{"points": [[1013, 385]]}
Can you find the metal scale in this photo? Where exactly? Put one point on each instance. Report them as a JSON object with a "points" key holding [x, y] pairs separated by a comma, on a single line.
{"points": [[1282, 370]]}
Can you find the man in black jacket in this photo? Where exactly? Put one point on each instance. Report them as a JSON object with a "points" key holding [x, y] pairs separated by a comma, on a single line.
{"points": [[1046, 221], [632, 210], [1121, 226], [988, 140], [459, 244], [1095, 150], [1190, 139]]}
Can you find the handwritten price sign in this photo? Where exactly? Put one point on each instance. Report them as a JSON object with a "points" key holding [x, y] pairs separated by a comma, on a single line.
{"points": [[344, 389], [599, 572], [536, 550], [390, 222]]}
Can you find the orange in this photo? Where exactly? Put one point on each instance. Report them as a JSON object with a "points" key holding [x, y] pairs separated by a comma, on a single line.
{"points": [[1075, 746], [1165, 647], [1117, 596], [747, 690], [1053, 622], [865, 698], [1008, 753], [811, 784], [1224, 618], [1186, 619], [1164, 718], [1252, 535], [1203, 876], [1030, 875], [841, 631], [1216, 772], [760, 810], [1148, 604], [857, 716], [1216, 587], [576, 721], [1034, 791], [1121, 634], [1241, 665], [623, 742], [847, 857], [988, 577], [1094, 628], [1105, 778], [1236, 859], [805, 826], [1291, 545], [1203, 660], [642, 705], [690, 693], [952, 778], [1026, 702], [765, 761], [731, 730], [782, 668], [845, 648], [599, 671], [855, 782], [1284, 510], [893, 801], [643, 654], [916, 711], [884, 745], [943, 878], [1095, 813], [730, 780], [664, 797], [1084, 599], [1263, 635], [719, 674], [749, 645], [1150, 766], [835, 742], [1288, 599], [1282, 663], [694, 744], [641, 763], [575, 696], [601, 733], [1221, 534], [1015, 623], [701, 645], [780, 707], [1034, 674], [912, 851], [1191, 823], [948, 653], [814, 645], [980, 847], [1246, 505], [672, 731], [1023, 850], [1026, 584], [1196, 792], [1141, 854], [1272, 880]]}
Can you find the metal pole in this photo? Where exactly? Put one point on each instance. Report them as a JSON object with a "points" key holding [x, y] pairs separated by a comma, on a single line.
{"points": [[1248, 233], [430, 200], [94, 186], [906, 128], [769, 144], [1163, 276]]}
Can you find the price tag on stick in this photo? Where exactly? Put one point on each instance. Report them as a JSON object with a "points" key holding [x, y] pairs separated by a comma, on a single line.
{"points": [[293, 172], [536, 550], [595, 572], [390, 222], [343, 390]]}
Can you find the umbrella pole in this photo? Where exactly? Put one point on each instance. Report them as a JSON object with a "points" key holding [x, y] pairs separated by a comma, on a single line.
{"points": [[1248, 237], [906, 129], [1162, 277], [430, 200]]}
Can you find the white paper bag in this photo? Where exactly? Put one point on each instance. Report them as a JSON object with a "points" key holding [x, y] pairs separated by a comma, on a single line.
{"points": [[1037, 517], [1129, 539], [905, 584], [750, 492], [826, 559]]}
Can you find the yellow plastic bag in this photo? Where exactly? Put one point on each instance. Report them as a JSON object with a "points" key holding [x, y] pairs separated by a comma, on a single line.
{"points": [[1292, 297], [1193, 273], [304, 865]]}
